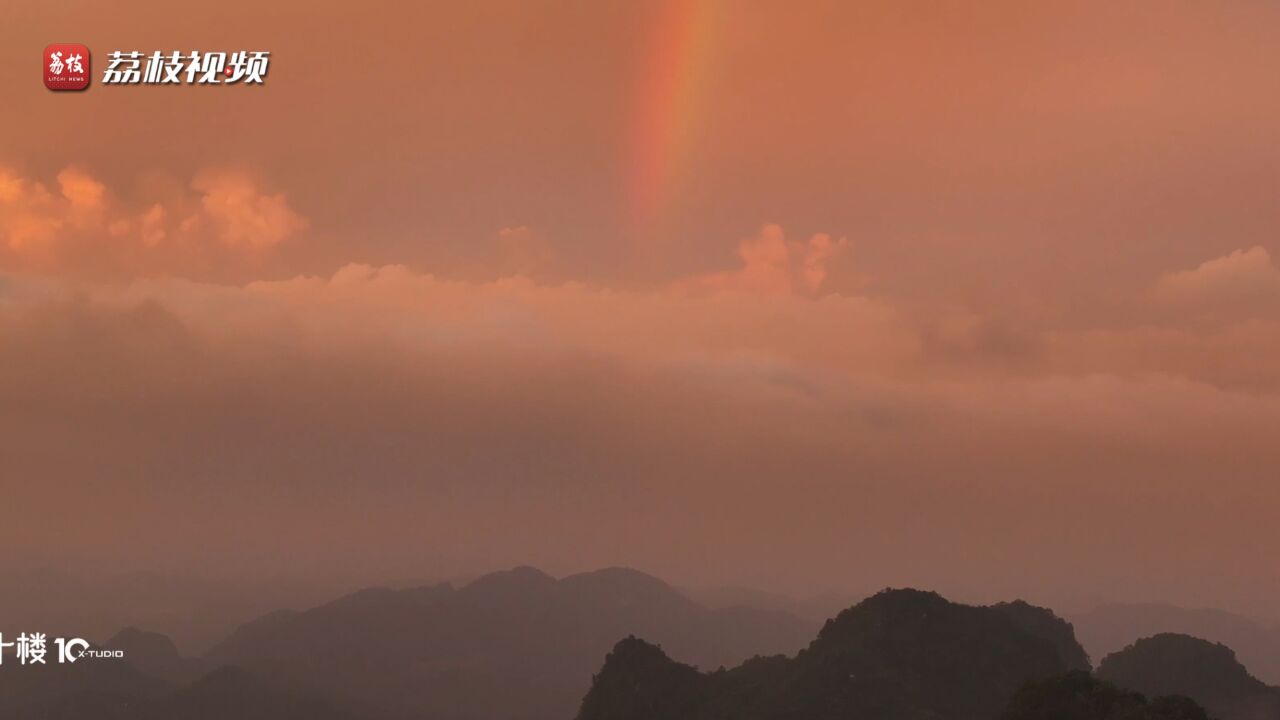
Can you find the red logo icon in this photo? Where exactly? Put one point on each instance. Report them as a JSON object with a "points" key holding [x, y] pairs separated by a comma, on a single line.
{"points": [[66, 67]]}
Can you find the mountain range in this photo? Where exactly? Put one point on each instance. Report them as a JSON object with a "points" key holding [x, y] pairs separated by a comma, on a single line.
{"points": [[515, 644], [899, 654], [521, 644]]}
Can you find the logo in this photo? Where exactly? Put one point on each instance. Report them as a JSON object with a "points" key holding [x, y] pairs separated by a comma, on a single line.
{"points": [[195, 68], [66, 66], [33, 649]]}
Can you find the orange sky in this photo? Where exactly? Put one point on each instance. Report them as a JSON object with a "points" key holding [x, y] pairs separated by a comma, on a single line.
{"points": [[976, 296]]}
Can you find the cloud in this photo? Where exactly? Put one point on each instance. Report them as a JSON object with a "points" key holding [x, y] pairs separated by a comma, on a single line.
{"points": [[243, 216], [379, 412], [83, 193], [522, 251], [1244, 280], [29, 214], [773, 265], [83, 229], [516, 419]]}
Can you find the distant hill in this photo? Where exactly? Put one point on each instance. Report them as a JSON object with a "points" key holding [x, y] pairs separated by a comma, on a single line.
{"points": [[112, 694], [900, 654], [1077, 695], [230, 693], [1109, 628], [195, 613], [519, 645], [1208, 672], [100, 688], [815, 607], [155, 655], [152, 682]]}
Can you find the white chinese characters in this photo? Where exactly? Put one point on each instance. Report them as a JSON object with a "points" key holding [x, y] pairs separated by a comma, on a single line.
{"points": [[29, 649], [32, 648], [194, 68], [72, 64]]}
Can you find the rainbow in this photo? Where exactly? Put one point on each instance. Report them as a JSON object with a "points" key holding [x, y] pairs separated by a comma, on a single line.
{"points": [[675, 68]]}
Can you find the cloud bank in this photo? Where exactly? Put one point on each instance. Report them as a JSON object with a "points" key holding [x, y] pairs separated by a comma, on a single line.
{"points": [[748, 425], [77, 227]]}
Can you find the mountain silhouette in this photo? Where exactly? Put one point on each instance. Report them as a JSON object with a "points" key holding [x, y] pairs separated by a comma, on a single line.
{"points": [[1109, 628], [155, 655], [904, 654], [1077, 695], [152, 682], [195, 613], [1171, 663], [518, 644], [100, 688], [524, 645], [1045, 624], [230, 692], [224, 694]]}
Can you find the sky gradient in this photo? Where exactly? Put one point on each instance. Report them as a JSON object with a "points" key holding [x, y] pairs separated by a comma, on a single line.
{"points": [[981, 297]]}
